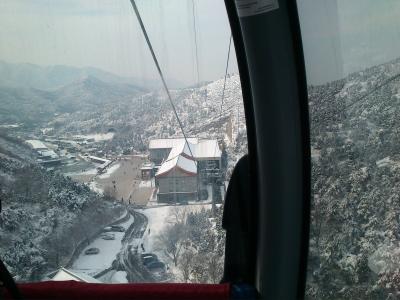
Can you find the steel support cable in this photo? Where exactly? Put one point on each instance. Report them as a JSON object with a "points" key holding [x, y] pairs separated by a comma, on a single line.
{"points": [[223, 89], [139, 18]]}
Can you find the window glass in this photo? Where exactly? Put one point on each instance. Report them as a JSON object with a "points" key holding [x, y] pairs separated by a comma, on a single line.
{"points": [[352, 61], [97, 182]]}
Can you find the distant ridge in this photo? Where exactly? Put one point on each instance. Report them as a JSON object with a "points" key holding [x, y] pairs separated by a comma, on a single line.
{"points": [[52, 77]]}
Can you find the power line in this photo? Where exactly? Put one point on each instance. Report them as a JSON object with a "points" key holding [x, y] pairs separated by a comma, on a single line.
{"points": [[139, 18]]}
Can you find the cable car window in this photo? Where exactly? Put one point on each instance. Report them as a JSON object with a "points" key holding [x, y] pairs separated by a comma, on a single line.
{"points": [[352, 62], [108, 173]]}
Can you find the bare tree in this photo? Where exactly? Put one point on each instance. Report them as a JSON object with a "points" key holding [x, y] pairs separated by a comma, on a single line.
{"points": [[179, 213], [186, 264], [215, 268], [171, 241]]}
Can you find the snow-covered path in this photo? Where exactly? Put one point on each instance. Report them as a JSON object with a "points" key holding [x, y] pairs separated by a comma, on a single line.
{"points": [[160, 217], [92, 264], [157, 220]]}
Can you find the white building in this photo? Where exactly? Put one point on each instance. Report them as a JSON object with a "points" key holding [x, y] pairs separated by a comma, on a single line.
{"points": [[184, 166], [202, 150], [36, 145]]}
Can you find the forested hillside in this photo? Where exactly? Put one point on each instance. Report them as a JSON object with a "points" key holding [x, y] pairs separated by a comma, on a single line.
{"points": [[44, 216], [356, 183]]}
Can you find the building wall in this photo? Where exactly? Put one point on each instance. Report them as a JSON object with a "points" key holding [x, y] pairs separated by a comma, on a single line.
{"points": [[177, 186], [158, 155], [205, 163], [176, 198], [209, 170]]}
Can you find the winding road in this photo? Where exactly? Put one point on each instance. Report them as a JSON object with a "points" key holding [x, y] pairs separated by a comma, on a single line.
{"points": [[127, 260], [123, 257]]}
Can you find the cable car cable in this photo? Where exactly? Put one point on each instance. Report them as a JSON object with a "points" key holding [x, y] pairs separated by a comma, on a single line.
{"points": [[196, 50], [195, 43], [139, 18], [226, 73], [223, 89], [386, 82]]}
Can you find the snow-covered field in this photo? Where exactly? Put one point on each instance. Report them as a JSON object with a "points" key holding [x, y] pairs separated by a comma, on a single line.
{"points": [[92, 264]]}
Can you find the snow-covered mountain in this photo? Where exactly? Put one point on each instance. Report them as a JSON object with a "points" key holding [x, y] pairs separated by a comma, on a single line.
{"points": [[44, 214], [150, 115], [355, 128], [52, 77], [33, 106], [355, 139]]}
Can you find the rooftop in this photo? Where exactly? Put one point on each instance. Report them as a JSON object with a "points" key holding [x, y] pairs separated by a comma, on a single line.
{"points": [[197, 148], [64, 274], [181, 162], [36, 144], [168, 143]]}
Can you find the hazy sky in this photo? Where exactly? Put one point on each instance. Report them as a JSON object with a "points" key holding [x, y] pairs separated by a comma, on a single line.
{"points": [[344, 36], [106, 34], [340, 36]]}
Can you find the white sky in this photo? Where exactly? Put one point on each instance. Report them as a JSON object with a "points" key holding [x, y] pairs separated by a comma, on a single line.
{"points": [[345, 36], [106, 34], [340, 36]]}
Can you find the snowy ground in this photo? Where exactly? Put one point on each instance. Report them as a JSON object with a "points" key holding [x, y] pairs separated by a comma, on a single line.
{"points": [[223, 191], [114, 277], [95, 188], [109, 171], [209, 191], [92, 171], [119, 277], [158, 218], [92, 264], [124, 175], [147, 183], [98, 137]]}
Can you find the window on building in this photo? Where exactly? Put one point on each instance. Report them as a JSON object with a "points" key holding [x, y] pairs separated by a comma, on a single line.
{"points": [[353, 66], [83, 111]]}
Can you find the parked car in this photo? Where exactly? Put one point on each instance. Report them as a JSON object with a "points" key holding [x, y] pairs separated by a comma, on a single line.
{"points": [[156, 266], [148, 260], [143, 255], [91, 251], [108, 236], [107, 229], [117, 228]]}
